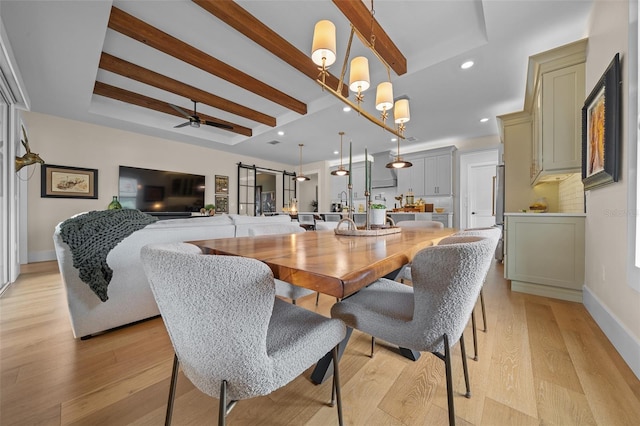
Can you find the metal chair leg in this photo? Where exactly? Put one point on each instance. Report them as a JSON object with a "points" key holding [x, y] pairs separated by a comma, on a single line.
{"points": [[318, 299], [475, 336], [333, 394], [222, 413], [448, 373], [484, 315], [336, 382], [464, 366], [172, 390], [373, 345]]}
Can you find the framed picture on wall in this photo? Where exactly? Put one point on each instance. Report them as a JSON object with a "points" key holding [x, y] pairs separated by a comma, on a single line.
{"points": [[68, 182], [222, 204], [601, 124], [222, 184]]}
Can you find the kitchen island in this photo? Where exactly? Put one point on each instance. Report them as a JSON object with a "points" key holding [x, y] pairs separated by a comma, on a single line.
{"points": [[544, 254]]}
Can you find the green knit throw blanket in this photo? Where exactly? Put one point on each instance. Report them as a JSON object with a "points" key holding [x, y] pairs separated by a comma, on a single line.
{"points": [[93, 235]]}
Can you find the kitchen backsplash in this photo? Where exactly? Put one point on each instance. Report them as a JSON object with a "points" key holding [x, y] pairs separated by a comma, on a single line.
{"points": [[571, 195], [444, 202]]}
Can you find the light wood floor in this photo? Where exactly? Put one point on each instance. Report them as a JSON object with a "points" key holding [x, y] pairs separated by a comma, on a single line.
{"points": [[542, 361]]}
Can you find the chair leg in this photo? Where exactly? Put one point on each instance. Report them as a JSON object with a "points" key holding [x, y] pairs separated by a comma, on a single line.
{"points": [[373, 345], [333, 393], [464, 366], [318, 299], [225, 407], [475, 335], [484, 315], [336, 382], [172, 390], [293, 301], [222, 413], [448, 373]]}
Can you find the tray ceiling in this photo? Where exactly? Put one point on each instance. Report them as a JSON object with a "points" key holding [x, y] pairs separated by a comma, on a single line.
{"points": [[123, 63]]}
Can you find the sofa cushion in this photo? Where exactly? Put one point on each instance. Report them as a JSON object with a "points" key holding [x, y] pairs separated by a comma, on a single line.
{"points": [[242, 219], [243, 223], [222, 219]]}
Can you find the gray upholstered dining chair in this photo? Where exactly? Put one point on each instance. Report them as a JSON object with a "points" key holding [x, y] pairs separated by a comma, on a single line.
{"points": [[332, 217], [324, 226], [405, 272], [420, 224], [308, 221], [233, 338], [431, 315], [493, 233], [283, 288]]}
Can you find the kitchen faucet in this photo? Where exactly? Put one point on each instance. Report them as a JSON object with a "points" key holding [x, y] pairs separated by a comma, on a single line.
{"points": [[345, 198]]}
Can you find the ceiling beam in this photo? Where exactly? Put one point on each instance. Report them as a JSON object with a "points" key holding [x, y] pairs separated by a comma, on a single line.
{"points": [[133, 27], [245, 23], [123, 95], [127, 69], [358, 14]]}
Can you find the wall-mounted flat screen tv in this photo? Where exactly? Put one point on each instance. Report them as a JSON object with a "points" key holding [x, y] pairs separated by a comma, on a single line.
{"points": [[161, 192]]}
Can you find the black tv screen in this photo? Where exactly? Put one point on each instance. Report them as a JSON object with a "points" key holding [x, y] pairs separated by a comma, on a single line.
{"points": [[160, 192]]}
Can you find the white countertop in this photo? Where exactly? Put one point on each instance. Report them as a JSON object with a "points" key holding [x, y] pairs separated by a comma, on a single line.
{"points": [[547, 214]]}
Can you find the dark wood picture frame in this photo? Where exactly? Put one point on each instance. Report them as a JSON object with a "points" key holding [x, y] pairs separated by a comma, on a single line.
{"points": [[222, 204], [601, 129], [222, 185], [68, 182]]}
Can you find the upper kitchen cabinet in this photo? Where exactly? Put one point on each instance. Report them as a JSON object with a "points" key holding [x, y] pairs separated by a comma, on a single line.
{"points": [[412, 178], [357, 179], [430, 175], [554, 97], [438, 166]]}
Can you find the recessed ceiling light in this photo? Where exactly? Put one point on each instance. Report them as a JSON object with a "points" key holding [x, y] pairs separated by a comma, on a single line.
{"points": [[346, 109], [484, 120], [336, 152], [280, 133], [466, 65]]}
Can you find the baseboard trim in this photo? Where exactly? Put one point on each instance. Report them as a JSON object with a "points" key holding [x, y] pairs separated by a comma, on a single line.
{"points": [[547, 291], [41, 256], [627, 345]]}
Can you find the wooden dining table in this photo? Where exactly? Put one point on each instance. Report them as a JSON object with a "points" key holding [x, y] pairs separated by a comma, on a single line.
{"points": [[337, 265]]}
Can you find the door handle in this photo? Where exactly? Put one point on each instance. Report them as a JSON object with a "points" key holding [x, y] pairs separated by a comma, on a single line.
{"points": [[473, 212]]}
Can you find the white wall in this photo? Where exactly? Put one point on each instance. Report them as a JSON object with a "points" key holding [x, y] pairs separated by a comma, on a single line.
{"points": [[307, 193], [608, 295], [72, 143]]}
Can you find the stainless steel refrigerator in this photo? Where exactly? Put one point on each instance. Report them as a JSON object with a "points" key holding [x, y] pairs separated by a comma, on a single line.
{"points": [[499, 209]]}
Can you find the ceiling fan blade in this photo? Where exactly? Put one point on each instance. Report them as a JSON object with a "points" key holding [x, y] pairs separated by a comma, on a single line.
{"points": [[182, 125], [219, 125], [181, 111]]}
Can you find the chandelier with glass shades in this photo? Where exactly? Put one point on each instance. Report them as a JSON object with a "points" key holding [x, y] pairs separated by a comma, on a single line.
{"points": [[340, 171], [323, 54], [301, 177]]}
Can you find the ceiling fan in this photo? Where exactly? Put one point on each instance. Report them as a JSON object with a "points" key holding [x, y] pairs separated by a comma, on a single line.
{"points": [[195, 121]]}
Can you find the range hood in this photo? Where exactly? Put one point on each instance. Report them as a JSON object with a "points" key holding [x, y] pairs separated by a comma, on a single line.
{"points": [[381, 177]]}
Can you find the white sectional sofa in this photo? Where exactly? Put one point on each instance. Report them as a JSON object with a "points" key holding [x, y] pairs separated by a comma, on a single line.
{"points": [[130, 298]]}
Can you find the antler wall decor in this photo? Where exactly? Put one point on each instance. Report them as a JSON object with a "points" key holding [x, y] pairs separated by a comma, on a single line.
{"points": [[29, 157]]}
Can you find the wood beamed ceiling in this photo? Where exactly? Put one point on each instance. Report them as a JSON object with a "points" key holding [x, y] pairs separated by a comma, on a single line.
{"points": [[242, 21]]}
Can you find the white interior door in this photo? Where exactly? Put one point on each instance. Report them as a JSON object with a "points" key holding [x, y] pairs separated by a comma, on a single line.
{"points": [[4, 189], [481, 195]]}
